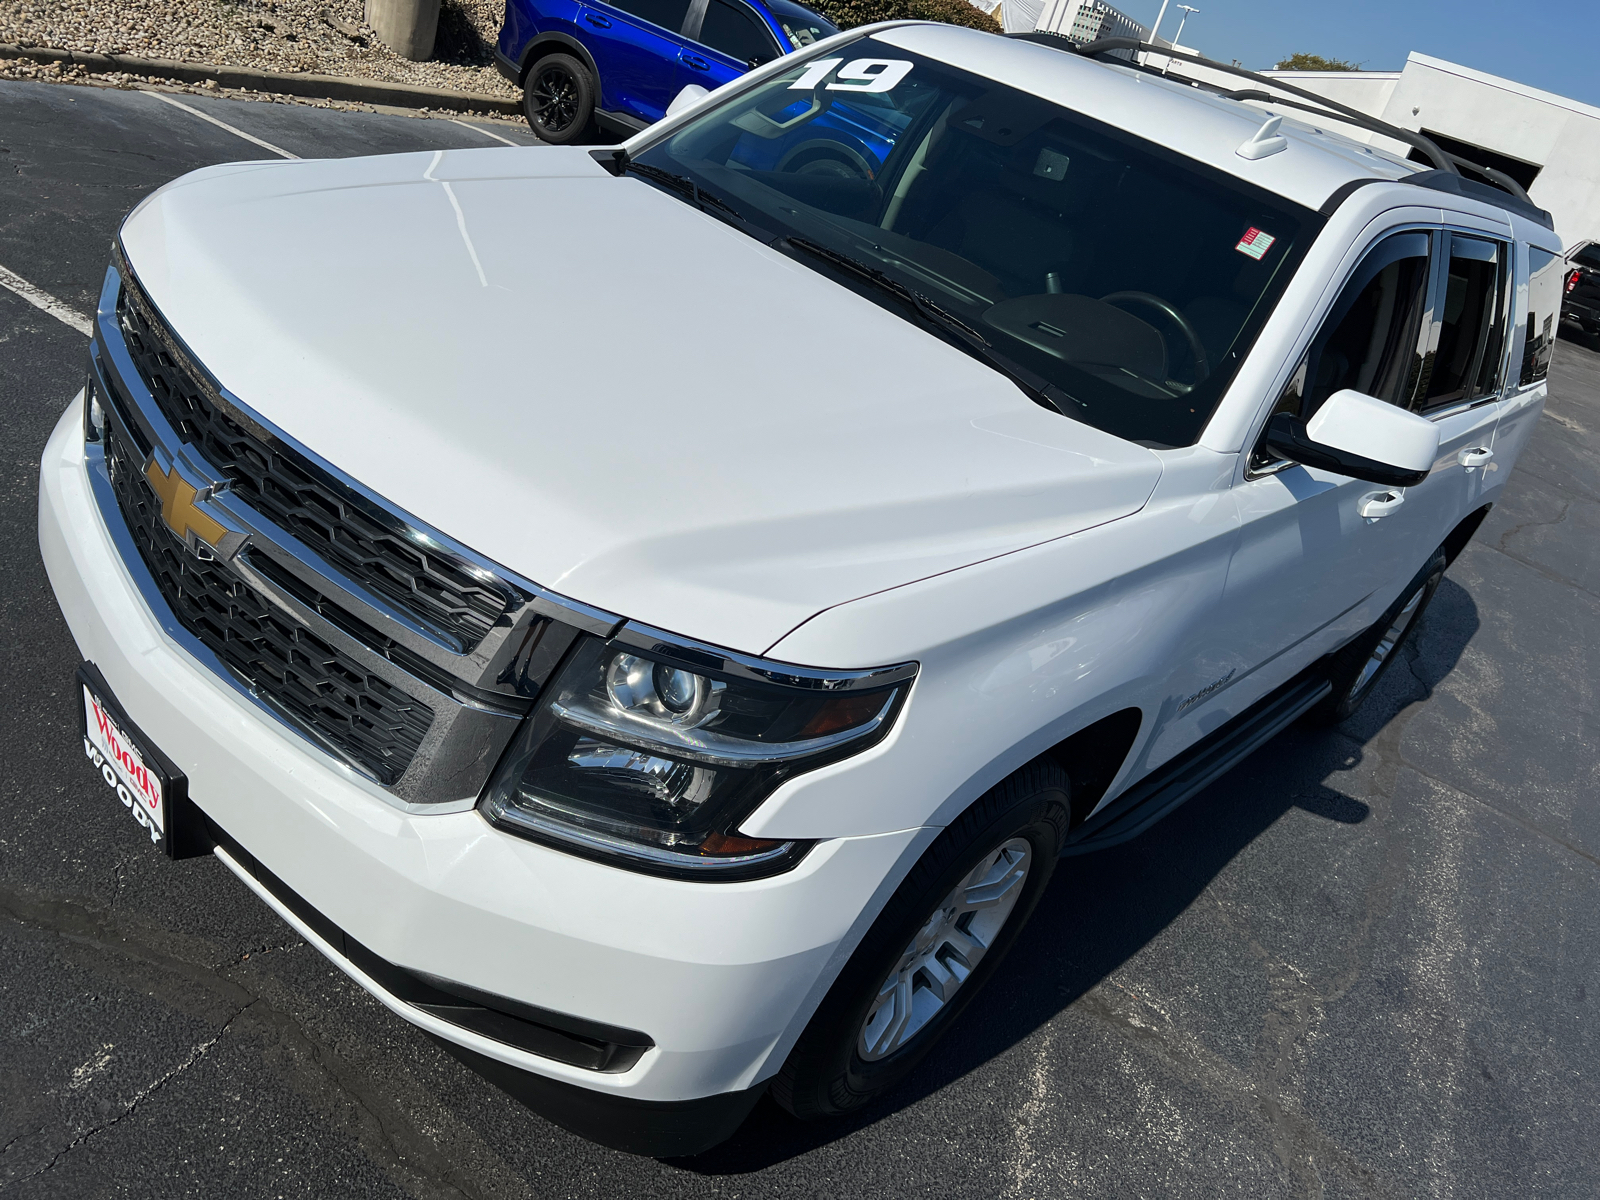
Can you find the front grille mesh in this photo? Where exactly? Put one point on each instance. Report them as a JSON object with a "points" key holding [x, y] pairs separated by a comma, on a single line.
{"points": [[326, 692], [296, 496]]}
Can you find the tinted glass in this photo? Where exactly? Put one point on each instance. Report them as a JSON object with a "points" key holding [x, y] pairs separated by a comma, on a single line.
{"points": [[736, 31], [668, 14], [800, 24], [1129, 277], [1472, 331], [1369, 339], [1589, 256], [1545, 272]]}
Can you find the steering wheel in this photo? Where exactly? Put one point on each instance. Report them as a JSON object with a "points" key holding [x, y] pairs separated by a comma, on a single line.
{"points": [[1197, 349]]}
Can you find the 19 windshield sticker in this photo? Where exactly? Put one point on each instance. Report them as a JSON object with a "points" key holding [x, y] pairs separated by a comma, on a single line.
{"points": [[858, 75]]}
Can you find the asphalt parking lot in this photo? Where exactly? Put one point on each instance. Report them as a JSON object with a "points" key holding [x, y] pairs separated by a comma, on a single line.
{"points": [[1367, 962]]}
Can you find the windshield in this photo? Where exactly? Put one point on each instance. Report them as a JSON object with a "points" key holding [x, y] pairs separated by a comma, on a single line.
{"points": [[1124, 275], [801, 24]]}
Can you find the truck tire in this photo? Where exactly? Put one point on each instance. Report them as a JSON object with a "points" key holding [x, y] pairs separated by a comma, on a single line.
{"points": [[1355, 670], [558, 99], [937, 941]]}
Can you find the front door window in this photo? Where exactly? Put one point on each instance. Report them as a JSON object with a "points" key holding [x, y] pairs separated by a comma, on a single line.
{"points": [[1371, 338]]}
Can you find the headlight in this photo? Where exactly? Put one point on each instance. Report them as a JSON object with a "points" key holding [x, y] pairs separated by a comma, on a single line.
{"points": [[649, 751]]}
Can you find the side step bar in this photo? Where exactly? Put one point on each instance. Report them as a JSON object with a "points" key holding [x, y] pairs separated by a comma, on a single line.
{"points": [[1153, 797]]}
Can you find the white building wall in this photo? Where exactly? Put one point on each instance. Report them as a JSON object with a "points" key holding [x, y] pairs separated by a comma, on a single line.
{"points": [[1560, 136]]}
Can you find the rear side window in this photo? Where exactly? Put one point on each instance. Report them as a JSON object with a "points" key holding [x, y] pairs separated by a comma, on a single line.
{"points": [[668, 14], [734, 30], [1464, 362], [1544, 307]]}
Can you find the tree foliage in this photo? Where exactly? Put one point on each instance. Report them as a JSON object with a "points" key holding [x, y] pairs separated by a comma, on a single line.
{"points": [[847, 14], [1315, 62]]}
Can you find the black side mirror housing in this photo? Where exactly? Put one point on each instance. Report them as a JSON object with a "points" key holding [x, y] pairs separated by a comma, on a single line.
{"points": [[1286, 436]]}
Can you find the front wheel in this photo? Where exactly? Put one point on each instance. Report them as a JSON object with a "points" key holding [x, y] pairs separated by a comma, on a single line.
{"points": [[558, 99], [1356, 669], [935, 944]]}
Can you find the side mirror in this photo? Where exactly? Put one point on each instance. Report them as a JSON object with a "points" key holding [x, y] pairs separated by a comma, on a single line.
{"points": [[1359, 436], [688, 98]]}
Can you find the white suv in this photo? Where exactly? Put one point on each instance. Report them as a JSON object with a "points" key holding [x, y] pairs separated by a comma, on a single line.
{"points": [[655, 617]]}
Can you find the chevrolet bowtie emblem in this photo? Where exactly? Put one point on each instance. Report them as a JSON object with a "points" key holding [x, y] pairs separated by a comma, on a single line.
{"points": [[178, 508]]}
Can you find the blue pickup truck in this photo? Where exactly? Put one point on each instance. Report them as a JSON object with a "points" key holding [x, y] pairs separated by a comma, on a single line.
{"points": [[621, 63]]}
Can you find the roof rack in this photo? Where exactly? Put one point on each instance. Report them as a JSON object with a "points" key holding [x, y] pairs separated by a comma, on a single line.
{"points": [[1444, 164]]}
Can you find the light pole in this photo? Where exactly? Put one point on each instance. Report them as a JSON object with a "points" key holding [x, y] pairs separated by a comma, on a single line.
{"points": [[1187, 11], [1154, 29]]}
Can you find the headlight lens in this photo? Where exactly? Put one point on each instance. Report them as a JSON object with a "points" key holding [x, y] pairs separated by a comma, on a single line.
{"points": [[652, 751]]}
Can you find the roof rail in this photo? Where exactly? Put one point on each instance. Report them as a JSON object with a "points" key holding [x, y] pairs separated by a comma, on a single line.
{"points": [[1319, 104], [1444, 176]]}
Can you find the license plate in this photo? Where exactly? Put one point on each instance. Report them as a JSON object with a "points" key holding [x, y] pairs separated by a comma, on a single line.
{"points": [[148, 785]]}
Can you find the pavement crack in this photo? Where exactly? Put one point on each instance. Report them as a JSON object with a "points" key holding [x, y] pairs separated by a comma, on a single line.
{"points": [[139, 1097]]}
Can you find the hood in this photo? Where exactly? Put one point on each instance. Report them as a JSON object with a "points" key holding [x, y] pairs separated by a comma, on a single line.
{"points": [[609, 392]]}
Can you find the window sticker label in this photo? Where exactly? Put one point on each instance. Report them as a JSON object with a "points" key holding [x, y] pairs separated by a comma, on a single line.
{"points": [[1255, 243], [858, 75]]}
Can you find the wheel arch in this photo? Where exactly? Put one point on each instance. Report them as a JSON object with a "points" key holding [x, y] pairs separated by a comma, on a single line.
{"points": [[556, 43], [1458, 537], [1094, 756]]}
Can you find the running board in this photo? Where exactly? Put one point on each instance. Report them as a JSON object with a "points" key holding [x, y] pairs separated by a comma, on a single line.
{"points": [[1153, 797]]}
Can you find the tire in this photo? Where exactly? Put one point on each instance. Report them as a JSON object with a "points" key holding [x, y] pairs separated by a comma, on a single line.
{"points": [[851, 1050], [558, 99], [1356, 669]]}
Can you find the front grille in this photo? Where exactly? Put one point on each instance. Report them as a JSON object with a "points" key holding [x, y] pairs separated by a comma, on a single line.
{"points": [[300, 498], [327, 693]]}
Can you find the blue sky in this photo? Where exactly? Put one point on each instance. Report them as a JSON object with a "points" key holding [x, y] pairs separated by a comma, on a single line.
{"points": [[1554, 44]]}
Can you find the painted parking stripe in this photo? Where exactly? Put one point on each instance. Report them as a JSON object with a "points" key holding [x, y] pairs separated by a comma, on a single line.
{"points": [[249, 137], [482, 130], [42, 299]]}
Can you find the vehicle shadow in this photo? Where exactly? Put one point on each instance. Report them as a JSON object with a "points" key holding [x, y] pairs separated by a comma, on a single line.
{"points": [[1115, 901], [1571, 331]]}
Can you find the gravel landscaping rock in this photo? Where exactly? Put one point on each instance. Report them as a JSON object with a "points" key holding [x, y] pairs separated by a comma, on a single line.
{"points": [[323, 36]]}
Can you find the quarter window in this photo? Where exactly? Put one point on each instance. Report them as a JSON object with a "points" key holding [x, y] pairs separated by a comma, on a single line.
{"points": [[1544, 305], [735, 31]]}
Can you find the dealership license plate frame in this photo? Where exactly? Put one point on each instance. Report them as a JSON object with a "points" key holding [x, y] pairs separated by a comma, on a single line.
{"points": [[168, 833]]}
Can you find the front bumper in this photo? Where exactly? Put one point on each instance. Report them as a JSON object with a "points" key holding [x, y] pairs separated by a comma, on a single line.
{"points": [[721, 977]]}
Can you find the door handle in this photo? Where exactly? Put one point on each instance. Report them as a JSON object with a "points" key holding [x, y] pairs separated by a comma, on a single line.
{"points": [[1379, 504], [597, 20], [1474, 456], [695, 61]]}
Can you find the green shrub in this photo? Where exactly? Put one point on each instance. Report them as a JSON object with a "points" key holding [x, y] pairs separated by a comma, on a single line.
{"points": [[847, 14]]}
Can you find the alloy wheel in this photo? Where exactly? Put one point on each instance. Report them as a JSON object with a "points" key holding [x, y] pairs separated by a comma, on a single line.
{"points": [[554, 97], [1392, 637], [945, 951]]}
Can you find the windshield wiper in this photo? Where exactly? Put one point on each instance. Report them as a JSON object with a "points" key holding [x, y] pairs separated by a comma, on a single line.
{"points": [[683, 185], [957, 332]]}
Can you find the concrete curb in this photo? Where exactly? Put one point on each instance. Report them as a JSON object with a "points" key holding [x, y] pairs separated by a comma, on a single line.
{"points": [[318, 87]]}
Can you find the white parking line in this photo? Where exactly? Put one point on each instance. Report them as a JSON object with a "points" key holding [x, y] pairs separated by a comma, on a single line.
{"points": [[482, 130], [44, 300], [249, 137]]}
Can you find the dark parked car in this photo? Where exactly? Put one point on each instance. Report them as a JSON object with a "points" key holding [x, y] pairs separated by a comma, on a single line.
{"points": [[621, 63], [1581, 303]]}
